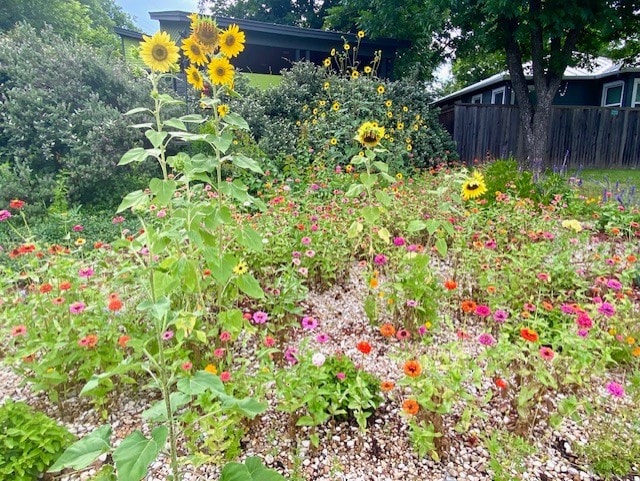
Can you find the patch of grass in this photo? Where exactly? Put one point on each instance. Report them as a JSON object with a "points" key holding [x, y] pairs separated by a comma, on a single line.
{"points": [[624, 183], [263, 81]]}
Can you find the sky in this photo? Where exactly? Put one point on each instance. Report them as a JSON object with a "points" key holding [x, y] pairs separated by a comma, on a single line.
{"points": [[139, 10]]}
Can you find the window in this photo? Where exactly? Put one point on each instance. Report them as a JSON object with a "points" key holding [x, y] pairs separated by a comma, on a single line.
{"points": [[612, 94], [635, 99], [498, 96], [476, 99]]}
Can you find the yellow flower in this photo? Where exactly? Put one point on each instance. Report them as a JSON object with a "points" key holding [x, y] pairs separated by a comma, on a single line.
{"points": [[388, 103], [221, 71], [473, 186], [80, 241], [400, 126], [335, 107], [380, 89], [232, 41], [193, 51], [367, 69], [631, 340], [223, 109], [333, 141], [240, 268], [355, 74], [194, 77], [399, 176], [333, 52], [636, 352], [327, 62], [409, 147], [322, 103], [369, 134], [361, 34], [206, 33], [159, 52], [346, 46], [405, 108], [390, 114], [326, 85], [572, 224], [211, 369]]}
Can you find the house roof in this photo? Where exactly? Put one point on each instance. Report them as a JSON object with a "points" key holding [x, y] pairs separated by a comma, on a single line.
{"points": [[281, 30], [600, 68], [123, 32]]}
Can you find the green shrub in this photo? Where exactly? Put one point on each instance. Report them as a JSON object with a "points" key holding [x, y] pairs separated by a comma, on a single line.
{"points": [[30, 442], [61, 115]]}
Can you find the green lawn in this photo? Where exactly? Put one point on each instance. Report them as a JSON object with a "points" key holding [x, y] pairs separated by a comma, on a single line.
{"points": [[263, 81], [595, 181]]}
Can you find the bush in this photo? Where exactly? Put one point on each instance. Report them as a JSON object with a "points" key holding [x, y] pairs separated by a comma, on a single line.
{"points": [[29, 442], [61, 122], [314, 114]]}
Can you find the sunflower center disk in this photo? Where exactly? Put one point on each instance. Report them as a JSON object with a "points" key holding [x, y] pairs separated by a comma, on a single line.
{"points": [[160, 53]]}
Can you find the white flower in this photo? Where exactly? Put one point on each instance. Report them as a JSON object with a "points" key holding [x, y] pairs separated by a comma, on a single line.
{"points": [[318, 359]]}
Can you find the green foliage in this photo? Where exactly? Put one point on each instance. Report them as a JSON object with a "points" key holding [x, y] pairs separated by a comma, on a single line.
{"points": [[507, 177], [508, 452], [61, 124], [251, 470], [29, 441]]}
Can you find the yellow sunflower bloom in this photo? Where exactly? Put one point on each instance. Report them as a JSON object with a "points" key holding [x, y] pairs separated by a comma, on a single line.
{"points": [[223, 109], [159, 52], [206, 33], [194, 77], [355, 74], [333, 141], [367, 69], [335, 107], [326, 62], [232, 41], [380, 89], [193, 51], [361, 34], [474, 186], [240, 268], [370, 134], [221, 71], [346, 46]]}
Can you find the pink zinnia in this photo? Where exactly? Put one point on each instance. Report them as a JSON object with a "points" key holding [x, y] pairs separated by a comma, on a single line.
{"points": [[500, 316], [380, 259], [167, 335], [412, 303], [614, 284], [584, 321], [615, 389], [260, 317], [225, 336], [269, 341], [490, 244], [77, 307], [403, 334], [85, 272], [4, 214], [322, 338], [486, 339], [19, 330], [219, 352], [77, 228], [546, 353], [225, 376], [341, 376], [186, 366], [290, 355], [308, 323], [310, 253], [606, 309], [567, 308], [398, 241], [483, 311], [306, 241]]}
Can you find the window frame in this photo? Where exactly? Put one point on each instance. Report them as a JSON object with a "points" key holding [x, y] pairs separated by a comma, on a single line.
{"points": [[605, 89], [501, 90], [636, 89], [475, 97]]}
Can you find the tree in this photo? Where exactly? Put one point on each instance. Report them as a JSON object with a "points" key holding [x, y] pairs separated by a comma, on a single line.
{"points": [[550, 36], [90, 21]]}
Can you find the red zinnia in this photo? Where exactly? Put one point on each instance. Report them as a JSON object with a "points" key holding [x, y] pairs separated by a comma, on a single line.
{"points": [[115, 304], [16, 204], [450, 284], [500, 383], [364, 347], [44, 288], [123, 340], [528, 334]]}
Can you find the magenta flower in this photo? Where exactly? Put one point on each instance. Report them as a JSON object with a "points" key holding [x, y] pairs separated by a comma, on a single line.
{"points": [[482, 310], [584, 321], [615, 389], [403, 334], [486, 339], [614, 284], [218, 352], [77, 228], [606, 309], [167, 335], [4, 214], [260, 317], [303, 271], [567, 308], [187, 365], [500, 316], [422, 330], [296, 254], [380, 259], [86, 272], [546, 353], [341, 376], [583, 332], [225, 336], [117, 220], [398, 241], [306, 241], [412, 248], [412, 303], [290, 355], [490, 244], [322, 338], [77, 307], [308, 323]]}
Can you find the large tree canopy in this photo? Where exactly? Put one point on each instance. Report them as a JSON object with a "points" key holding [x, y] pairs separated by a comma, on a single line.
{"points": [[90, 21]]}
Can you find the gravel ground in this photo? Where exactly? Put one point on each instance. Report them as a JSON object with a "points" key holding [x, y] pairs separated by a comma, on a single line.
{"points": [[382, 453]]}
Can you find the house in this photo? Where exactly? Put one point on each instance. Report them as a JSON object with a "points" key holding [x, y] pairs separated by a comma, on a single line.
{"points": [[595, 117], [272, 47], [129, 42]]}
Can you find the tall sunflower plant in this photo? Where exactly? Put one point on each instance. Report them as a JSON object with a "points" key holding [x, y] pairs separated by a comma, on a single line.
{"points": [[193, 226]]}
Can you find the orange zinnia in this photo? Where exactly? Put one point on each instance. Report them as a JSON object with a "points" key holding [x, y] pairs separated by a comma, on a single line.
{"points": [[450, 284], [115, 304], [411, 407], [387, 386], [468, 306], [412, 368], [92, 340], [123, 340], [387, 330], [528, 334], [547, 305]]}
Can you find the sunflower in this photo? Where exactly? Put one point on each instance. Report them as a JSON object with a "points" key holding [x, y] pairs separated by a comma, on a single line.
{"points": [[367, 69], [159, 52], [326, 62], [380, 89], [335, 107], [355, 74], [223, 109], [194, 77], [474, 186], [369, 134], [240, 268], [194, 51], [361, 34], [206, 33], [231, 41], [221, 71]]}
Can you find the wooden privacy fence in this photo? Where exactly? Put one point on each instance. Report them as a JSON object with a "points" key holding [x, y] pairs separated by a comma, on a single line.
{"points": [[579, 136]]}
